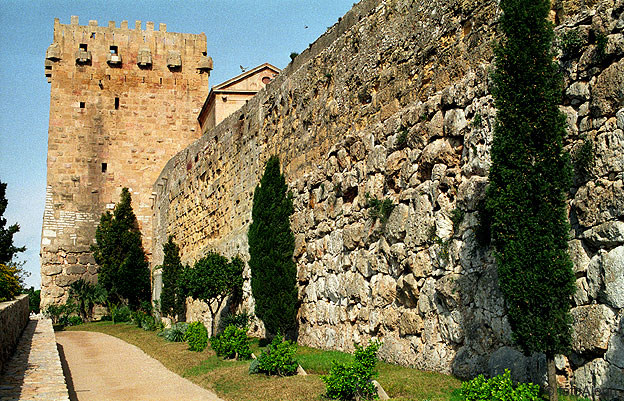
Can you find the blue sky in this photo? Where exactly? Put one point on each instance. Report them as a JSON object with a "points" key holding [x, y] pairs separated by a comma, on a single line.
{"points": [[239, 32]]}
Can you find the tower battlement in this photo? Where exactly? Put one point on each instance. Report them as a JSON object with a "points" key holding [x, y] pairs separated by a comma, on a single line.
{"points": [[135, 49]]}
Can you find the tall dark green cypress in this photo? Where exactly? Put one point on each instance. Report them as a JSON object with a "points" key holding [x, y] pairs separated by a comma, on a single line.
{"points": [[529, 179], [123, 268], [271, 248], [172, 301]]}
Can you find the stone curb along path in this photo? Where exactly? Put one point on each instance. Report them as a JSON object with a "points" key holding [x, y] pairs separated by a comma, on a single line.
{"points": [[102, 367], [34, 372]]}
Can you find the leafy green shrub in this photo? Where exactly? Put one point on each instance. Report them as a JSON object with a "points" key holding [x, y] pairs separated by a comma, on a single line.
{"points": [[9, 282], [175, 333], [379, 209], [570, 43], [60, 314], [74, 321], [278, 358], [196, 336], [120, 314], [355, 380], [499, 388], [144, 320], [240, 319], [232, 343], [86, 295]]}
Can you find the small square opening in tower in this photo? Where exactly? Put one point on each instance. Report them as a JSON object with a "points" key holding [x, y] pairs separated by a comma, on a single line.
{"points": [[83, 46], [113, 50], [82, 105], [116, 103], [104, 167], [92, 35]]}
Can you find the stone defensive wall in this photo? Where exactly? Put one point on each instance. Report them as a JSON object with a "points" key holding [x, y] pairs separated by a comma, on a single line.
{"points": [[393, 102], [13, 319]]}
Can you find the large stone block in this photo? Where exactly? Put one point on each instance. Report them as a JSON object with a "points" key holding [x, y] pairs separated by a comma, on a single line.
{"points": [[591, 328]]}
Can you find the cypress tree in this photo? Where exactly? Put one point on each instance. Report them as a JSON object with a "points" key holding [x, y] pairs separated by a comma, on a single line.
{"points": [[172, 301], [7, 249], [123, 268], [529, 179], [271, 248]]}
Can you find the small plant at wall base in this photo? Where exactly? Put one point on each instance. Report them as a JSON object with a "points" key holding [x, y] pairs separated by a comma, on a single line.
{"points": [[354, 381], [124, 271], [529, 177], [271, 248], [601, 46], [86, 295], [196, 336], [232, 343], [172, 299], [278, 358], [499, 387]]}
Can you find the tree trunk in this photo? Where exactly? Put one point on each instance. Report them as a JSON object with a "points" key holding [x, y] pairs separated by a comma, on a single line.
{"points": [[552, 378]]}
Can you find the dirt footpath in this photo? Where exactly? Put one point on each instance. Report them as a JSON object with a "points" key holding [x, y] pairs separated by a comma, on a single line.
{"points": [[101, 367]]}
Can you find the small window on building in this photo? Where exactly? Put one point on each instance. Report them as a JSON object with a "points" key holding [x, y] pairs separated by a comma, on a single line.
{"points": [[92, 35], [113, 50], [266, 80], [104, 167], [82, 105], [83, 46], [116, 103]]}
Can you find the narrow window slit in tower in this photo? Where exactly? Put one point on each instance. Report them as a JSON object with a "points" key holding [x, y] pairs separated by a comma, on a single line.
{"points": [[116, 103], [161, 81], [92, 35], [82, 105], [104, 167]]}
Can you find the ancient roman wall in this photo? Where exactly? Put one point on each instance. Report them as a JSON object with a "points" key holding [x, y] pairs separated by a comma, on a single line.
{"points": [[119, 109], [393, 102]]}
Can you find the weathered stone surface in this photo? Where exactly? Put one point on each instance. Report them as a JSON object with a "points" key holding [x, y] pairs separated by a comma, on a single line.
{"points": [[407, 290], [613, 270], [598, 202], [591, 328], [620, 119], [608, 234], [615, 352], [578, 255], [454, 122], [522, 368], [607, 90]]}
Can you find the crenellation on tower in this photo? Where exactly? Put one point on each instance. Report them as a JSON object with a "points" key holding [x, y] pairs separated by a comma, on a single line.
{"points": [[119, 110]]}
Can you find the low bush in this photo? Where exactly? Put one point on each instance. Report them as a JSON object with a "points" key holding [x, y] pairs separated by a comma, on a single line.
{"points": [[120, 314], [175, 333], [379, 209], [278, 358], [499, 388], [60, 314], [355, 380], [232, 343], [74, 321], [196, 336]]}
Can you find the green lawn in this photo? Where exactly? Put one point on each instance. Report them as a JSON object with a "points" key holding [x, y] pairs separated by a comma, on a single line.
{"points": [[232, 382]]}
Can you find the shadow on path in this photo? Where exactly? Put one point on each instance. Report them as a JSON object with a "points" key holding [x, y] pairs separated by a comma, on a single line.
{"points": [[67, 374]]}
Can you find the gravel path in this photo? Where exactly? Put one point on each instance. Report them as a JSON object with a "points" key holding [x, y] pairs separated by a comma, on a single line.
{"points": [[101, 367]]}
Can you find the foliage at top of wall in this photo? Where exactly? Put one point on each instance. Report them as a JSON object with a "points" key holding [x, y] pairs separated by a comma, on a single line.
{"points": [[124, 271], [529, 179], [7, 249], [271, 248]]}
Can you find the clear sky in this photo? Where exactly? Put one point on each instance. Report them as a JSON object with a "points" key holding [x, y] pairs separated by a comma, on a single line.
{"points": [[239, 32]]}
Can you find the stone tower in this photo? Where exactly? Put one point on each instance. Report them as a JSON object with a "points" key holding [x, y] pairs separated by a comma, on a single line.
{"points": [[122, 103]]}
